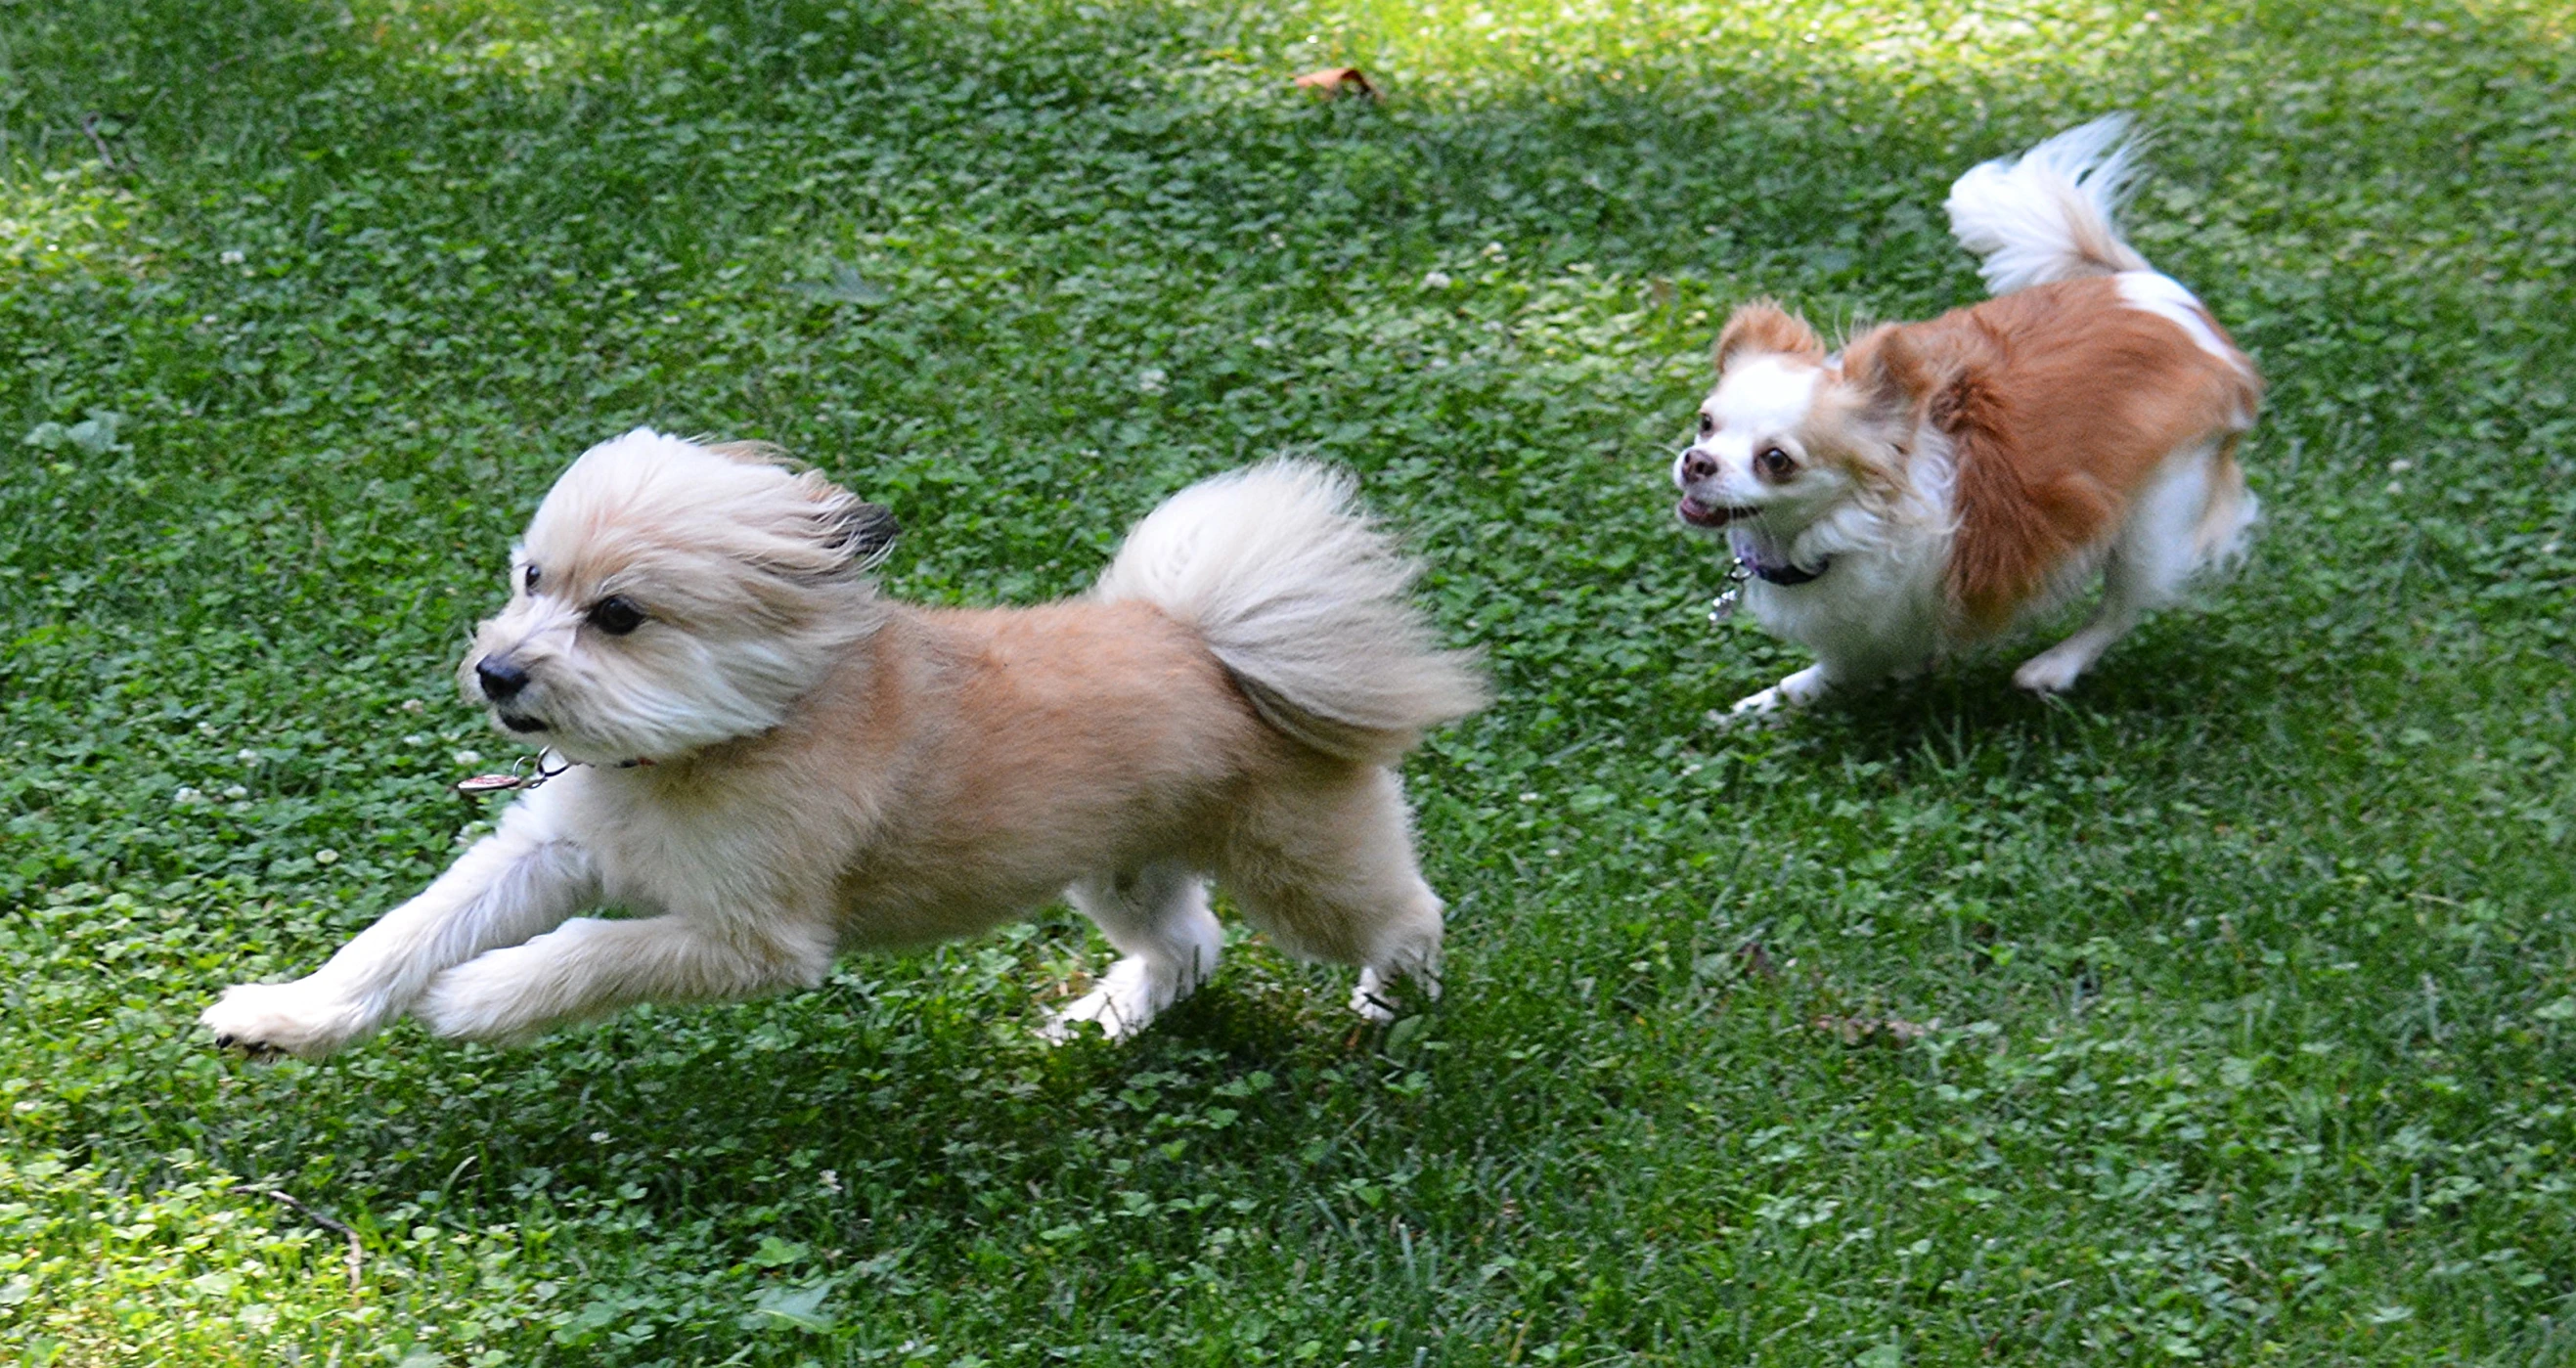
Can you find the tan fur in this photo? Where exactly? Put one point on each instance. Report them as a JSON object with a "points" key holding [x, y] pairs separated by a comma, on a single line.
{"points": [[894, 775], [1763, 327], [2059, 403]]}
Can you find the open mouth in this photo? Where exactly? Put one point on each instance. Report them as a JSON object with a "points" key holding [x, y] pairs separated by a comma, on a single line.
{"points": [[1698, 514], [521, 724]]}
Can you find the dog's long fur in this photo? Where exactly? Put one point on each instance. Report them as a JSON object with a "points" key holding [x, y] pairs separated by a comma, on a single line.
{"points": [[1954, 477], [776, 765]]}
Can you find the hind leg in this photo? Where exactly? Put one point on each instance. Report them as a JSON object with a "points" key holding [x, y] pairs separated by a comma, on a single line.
{"points": [[2056, 669], [2160, 545], [1168, 944], [1326, 867]]}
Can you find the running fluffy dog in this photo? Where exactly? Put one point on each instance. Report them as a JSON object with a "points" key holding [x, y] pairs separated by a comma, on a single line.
{"points": [[1937, 483], [769, 765]]}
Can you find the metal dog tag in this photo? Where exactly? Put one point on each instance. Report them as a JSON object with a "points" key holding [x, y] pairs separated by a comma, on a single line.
{"points": [[1724, 605], [475, 786]]}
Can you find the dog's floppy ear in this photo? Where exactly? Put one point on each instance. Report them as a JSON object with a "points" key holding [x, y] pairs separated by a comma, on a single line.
{"points": [[1763, 328], [866, 532], [1892, 377]]}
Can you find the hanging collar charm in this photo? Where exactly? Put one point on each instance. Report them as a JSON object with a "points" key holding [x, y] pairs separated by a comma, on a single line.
{"points": [[1749, 565], [1731, 598], [476, 786]]}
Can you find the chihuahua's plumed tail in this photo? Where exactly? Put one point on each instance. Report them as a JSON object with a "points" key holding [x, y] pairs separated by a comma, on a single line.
{"points": [[2047, 215], [1304, 600]]}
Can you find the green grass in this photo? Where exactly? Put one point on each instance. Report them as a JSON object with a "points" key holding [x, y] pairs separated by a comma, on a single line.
{"points": [[2253, 962]]}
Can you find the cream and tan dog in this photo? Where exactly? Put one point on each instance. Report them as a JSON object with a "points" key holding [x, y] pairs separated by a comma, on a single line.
{"points": [[1936, 483], [771, 765]]}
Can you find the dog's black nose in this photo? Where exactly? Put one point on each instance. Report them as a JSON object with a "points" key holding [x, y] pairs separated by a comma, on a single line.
{"points": [[1698, 465], [501, 680]]}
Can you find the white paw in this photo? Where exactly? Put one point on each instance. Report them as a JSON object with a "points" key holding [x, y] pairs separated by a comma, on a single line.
{"points": [[1375, 998], [1752, 708], [1797, 691], [299, 1018], [480, 999], [2052, 671], [1804, 687], [1134, 991]]}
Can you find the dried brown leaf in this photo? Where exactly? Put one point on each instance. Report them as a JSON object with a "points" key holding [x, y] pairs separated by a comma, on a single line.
{"points": [[1333, 81]]}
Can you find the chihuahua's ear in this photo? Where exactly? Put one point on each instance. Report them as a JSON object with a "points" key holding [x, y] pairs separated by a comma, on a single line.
{"points": [[1763, 328], [1892, 377]]}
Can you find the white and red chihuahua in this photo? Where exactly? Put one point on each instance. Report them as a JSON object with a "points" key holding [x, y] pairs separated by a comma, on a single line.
{"points": [[1936, 483]]}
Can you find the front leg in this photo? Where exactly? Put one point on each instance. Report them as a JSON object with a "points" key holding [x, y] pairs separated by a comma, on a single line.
{"points": [[522, 879], [589, 967], [1797, 691]]}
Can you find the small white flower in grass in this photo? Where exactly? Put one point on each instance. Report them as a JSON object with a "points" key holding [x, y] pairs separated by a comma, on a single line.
{"points": [[186, 794], [414, 706], [599, 1137], [247, 756], [1435, 280], [2400, 466], [235, 791], [2395, 488], [1152, 380], [831, 1181], [1530, 797], [232, 258], [469, 757], [326, 856]]}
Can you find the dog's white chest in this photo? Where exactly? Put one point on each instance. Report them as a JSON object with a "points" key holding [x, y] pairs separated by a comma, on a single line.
{"points": [[691, 858]]}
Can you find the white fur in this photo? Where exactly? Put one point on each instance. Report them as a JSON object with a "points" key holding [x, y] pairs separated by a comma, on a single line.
{"points": [[1878, 610], [2162, 295], [1304, 600], [1168, 940], [2048, 214], [746, 646]]}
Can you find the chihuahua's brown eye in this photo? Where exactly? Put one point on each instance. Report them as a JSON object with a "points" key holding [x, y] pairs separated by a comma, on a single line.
{"points": [[616, 615], [1776, 463], [1707, 425], [529, 578]]}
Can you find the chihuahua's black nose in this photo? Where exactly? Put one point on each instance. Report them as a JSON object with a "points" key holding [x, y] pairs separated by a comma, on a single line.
{"points": [[501, 680], [1698, 465]]}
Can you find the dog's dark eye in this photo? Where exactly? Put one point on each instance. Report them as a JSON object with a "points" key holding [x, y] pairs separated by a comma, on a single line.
{"points": [[1707, 425], [1776, 463], [528, 577], [616, 615]]}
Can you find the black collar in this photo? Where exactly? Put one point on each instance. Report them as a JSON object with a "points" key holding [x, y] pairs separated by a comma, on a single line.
{"points": [[1782, 573]]}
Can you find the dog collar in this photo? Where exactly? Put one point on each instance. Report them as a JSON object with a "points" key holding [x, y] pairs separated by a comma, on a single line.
{"points": [[1749, 565], [475, 786], [1784, 573]]}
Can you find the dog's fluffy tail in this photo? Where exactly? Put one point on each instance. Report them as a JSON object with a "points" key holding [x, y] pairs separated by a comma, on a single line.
{"points": [[2046, 215], [1304, 600]]}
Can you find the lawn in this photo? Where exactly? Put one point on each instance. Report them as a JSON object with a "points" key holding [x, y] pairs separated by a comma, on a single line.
{"points": [[2249, 969]]}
